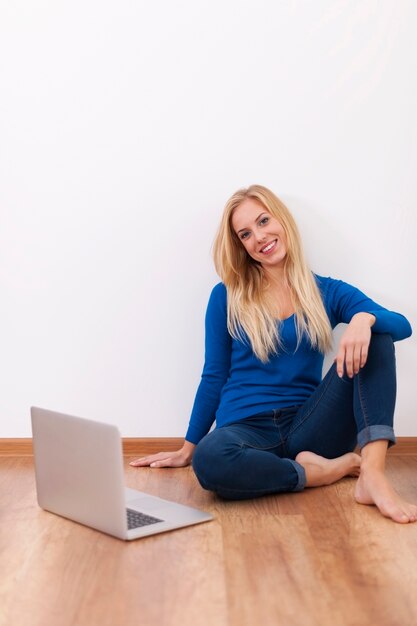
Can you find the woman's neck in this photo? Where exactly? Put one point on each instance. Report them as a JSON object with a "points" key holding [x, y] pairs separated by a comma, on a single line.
{"points": [[276, 278]]}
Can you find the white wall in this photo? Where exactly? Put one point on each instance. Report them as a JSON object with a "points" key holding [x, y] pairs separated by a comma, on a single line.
{"points": [[126, 125]]}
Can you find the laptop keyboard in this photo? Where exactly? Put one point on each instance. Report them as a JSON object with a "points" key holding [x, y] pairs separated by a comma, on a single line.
{"points": [[136, 519]]}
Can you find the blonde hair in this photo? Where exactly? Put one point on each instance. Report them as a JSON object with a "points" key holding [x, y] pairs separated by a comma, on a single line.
{"points": [[248, 309]]}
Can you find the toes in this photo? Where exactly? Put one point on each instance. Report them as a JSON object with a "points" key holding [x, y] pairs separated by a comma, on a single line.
{"points": [[405, 517], [413, 516]]}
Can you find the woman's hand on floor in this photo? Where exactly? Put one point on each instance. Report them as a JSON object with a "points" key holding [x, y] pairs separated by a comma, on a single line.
{"points": [[177, 458]]}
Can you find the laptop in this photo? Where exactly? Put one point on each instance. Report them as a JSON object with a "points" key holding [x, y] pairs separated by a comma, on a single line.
{"points": [[79, 475]]}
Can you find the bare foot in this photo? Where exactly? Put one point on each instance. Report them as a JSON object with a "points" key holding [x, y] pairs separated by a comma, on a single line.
{"points": [[373, 487], [321, 471]]}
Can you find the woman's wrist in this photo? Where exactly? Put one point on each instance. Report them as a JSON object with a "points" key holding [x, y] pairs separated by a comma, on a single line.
{"points": [[368, 317], [188, 449]]}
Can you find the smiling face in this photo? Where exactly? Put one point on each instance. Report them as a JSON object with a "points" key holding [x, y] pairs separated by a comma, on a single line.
{"points": [[260, 233]]}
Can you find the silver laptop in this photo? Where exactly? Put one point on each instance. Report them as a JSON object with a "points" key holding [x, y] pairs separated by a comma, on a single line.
{"points": [[79, 475]]}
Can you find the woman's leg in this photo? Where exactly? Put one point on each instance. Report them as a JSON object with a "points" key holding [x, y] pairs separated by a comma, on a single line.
{"points": [[325, 430], [345, 412], [242, 460]]}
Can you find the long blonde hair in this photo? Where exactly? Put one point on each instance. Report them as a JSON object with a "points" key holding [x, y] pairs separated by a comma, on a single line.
{"points": [[248, 308]]}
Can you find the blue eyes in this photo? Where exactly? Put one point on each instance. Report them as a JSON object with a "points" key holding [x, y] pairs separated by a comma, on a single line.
{"points": [[261, 222]]}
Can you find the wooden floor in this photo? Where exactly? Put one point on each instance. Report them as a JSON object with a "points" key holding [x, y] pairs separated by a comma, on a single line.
{"points": [[312, 558]]}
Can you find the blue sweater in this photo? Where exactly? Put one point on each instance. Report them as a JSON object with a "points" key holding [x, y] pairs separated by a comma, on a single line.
{"points": [[235, 384]]}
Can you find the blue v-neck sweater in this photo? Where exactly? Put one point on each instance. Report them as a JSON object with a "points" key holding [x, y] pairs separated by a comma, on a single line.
{"points": [[235, 384]]}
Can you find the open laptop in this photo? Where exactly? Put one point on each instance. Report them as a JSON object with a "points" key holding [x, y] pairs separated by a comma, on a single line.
{"points": [[79, 475]]}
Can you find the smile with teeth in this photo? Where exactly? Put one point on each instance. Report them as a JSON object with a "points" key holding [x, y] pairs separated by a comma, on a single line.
{"points": [[270, 246]]}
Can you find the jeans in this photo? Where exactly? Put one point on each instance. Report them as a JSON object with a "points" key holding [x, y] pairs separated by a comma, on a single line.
{"points": [[255, 456]]}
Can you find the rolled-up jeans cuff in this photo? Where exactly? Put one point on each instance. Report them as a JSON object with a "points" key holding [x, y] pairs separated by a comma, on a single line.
{"points": [[374, 433], [301, 475]]}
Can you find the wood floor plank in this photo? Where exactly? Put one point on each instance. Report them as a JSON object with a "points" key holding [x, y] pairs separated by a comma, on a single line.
{"points": [[315, 558], [274, 560], [65, 574]]}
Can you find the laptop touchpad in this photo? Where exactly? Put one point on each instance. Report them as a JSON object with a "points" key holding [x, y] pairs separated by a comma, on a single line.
{"points": [[147, 503]]}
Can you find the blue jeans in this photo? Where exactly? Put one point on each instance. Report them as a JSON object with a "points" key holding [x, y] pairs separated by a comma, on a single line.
{"points": [[255, 456]]}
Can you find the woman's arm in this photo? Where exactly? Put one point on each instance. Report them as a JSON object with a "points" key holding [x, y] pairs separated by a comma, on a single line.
{"points": [[215, 373], [347, 304], [218, 349], [343, 301]]}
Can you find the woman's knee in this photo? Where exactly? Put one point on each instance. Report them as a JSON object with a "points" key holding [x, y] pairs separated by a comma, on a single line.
{"points": [[381, 349], [381, 341], [202, 458], [211, 458]]}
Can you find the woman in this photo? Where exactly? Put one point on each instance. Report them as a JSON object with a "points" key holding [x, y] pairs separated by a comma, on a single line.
{"points": [[279, 427]]}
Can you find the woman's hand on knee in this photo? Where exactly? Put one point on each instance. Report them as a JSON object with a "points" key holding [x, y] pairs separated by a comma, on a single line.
{"points": [[354, 344], [177, 458]]}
